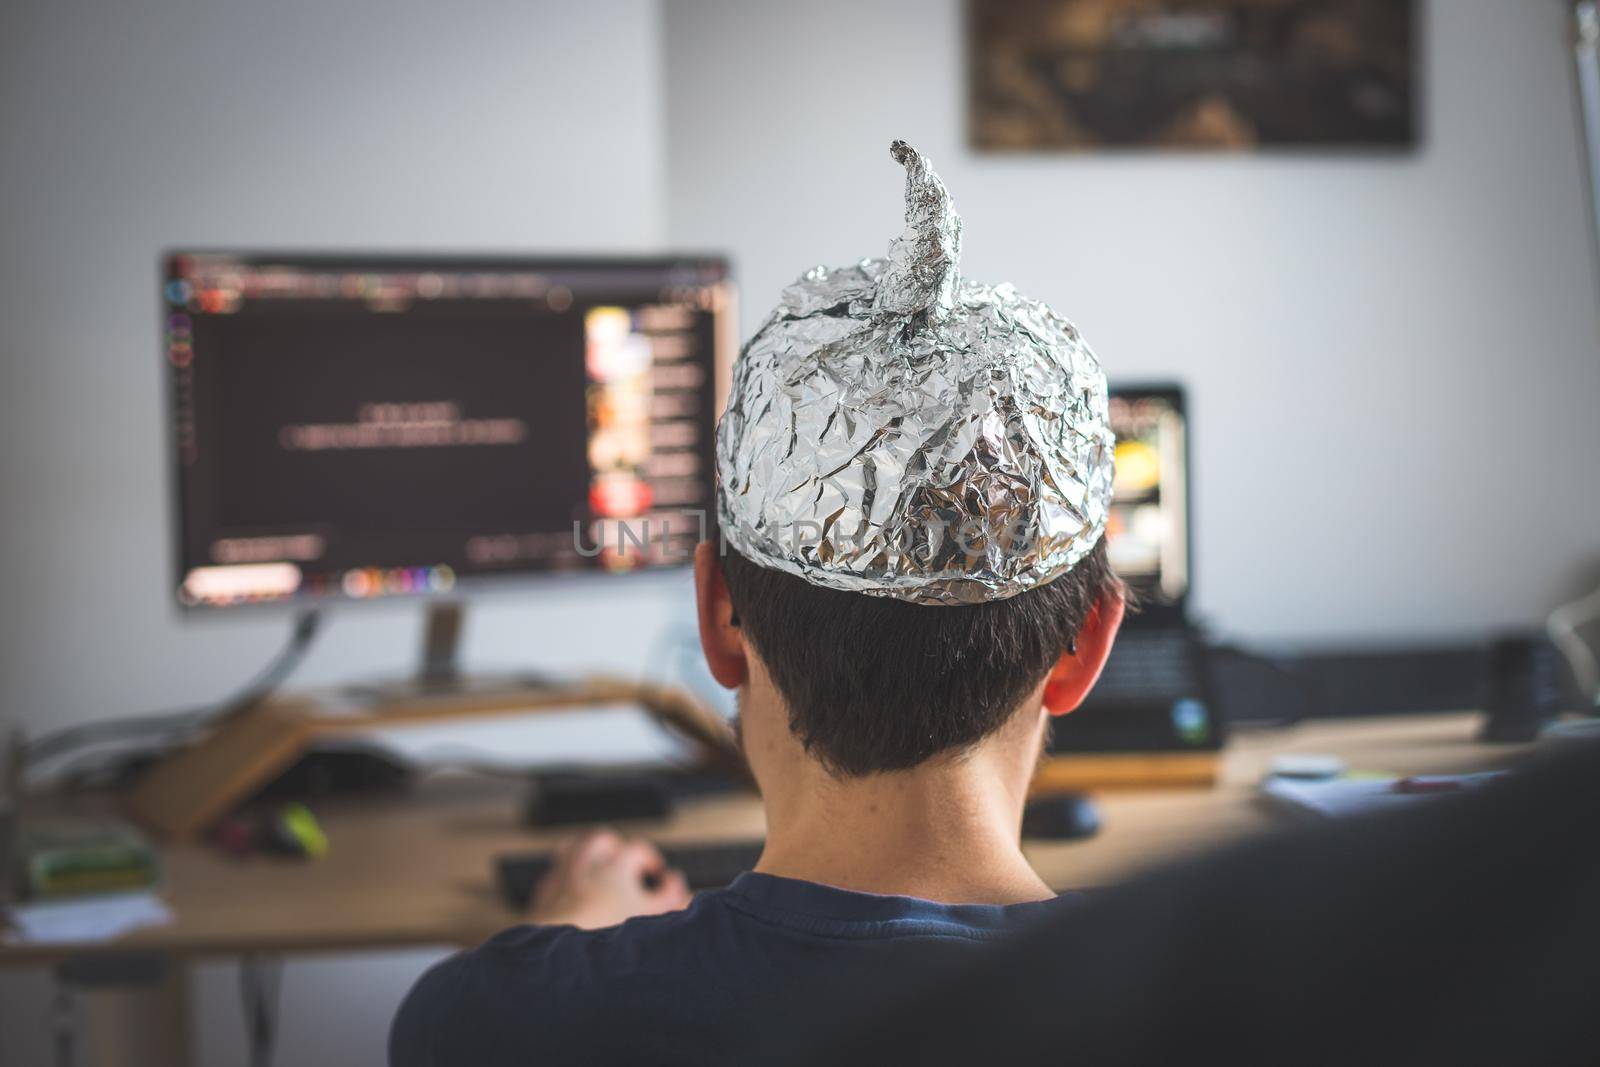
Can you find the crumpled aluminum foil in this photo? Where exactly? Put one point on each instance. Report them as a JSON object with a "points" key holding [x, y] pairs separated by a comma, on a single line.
{"points": [[896, 430]]}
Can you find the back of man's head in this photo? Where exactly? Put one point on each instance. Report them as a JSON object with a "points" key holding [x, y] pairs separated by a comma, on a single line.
{"points": [[878, 684]]}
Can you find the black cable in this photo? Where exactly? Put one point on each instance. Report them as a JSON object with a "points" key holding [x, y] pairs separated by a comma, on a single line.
{"points": [[260, 987], [185, 723]]}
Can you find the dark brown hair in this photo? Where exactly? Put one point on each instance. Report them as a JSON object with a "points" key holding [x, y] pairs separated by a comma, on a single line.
{"points": [[878, 684]]}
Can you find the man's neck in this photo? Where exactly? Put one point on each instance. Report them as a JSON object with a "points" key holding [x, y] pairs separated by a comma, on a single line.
{"points": [[948, 830]]}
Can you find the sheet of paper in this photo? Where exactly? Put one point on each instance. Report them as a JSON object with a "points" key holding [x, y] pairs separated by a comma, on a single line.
{"points": [[84, 919], [1351, 796], [1341, 796]]}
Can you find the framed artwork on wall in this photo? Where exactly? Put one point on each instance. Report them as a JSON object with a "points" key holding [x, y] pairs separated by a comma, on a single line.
{"points": [[1086, 75]]}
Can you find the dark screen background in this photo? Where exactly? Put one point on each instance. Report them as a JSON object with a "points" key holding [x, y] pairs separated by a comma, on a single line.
{"points": [[271, 370]]}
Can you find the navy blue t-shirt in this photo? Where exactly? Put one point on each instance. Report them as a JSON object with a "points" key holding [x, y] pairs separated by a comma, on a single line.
{"points": [[703, 985]]}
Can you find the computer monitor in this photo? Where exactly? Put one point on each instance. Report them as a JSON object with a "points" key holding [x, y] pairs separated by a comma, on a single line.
{"points": [[1147, 534], [350, 427]]}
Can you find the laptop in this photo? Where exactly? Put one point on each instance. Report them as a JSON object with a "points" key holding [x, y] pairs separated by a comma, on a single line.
{"points": [[1154, 694]]}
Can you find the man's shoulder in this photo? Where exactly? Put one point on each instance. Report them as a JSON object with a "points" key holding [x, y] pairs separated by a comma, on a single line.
{"points": [[577, 954], [684, 982], [539, 990], [534, 967]]}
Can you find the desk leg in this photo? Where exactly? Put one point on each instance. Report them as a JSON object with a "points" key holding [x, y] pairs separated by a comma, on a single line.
{"points": [[134, 1010]]}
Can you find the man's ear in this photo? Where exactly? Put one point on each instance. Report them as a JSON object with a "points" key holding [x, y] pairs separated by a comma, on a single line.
{"points": [[1076, 672], [720, 639]]}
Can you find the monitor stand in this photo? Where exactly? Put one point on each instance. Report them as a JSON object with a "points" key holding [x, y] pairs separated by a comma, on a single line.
{"points": [[439, 674]]}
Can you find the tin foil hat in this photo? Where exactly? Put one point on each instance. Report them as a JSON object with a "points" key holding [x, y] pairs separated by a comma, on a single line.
{"points": [[896, 430]]}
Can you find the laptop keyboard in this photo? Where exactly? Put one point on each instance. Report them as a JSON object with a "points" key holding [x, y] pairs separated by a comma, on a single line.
{"points": [[1152, 665]]}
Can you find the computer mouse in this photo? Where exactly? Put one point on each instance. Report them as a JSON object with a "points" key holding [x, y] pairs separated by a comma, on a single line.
{"points": [[1061, 817]]}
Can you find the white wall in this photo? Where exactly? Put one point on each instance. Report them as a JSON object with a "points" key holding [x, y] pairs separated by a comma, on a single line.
{"points": [[127, 128], [1393, 361]]}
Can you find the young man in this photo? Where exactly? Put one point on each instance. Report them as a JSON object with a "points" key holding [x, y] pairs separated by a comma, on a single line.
{"points": [[913, 479]]}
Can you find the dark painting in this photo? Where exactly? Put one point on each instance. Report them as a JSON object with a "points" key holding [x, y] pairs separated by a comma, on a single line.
{"points": [[1191, 74]]}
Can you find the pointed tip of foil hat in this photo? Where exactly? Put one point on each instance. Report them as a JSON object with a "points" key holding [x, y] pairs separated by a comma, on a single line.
{"points": [[923, 261]]}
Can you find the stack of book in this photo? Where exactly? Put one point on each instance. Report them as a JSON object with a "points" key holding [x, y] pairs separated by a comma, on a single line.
{"points": [[79, 880]]}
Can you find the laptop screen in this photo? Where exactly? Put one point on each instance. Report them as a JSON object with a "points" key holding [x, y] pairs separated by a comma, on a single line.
{"points": [[1148, 530]]}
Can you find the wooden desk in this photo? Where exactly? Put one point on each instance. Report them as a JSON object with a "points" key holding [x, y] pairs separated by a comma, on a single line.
{"points": [[414, 869]]}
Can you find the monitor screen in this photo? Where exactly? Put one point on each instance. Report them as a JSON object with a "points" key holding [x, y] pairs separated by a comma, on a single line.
{"points": [[1147, 535], [359, 427]]}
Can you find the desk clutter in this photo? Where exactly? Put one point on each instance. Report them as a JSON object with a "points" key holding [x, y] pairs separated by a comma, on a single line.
{"points": [[1359, 794], [80, 879], [244, 784], [73, 856], [284, 830], [76, 879], [87, 920]]}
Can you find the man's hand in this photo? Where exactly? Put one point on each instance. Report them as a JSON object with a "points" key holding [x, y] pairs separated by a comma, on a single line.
{"points": [[602, 879]]}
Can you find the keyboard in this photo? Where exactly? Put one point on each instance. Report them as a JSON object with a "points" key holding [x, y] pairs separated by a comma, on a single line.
{"points": [[1152, 665], [708, 865]]}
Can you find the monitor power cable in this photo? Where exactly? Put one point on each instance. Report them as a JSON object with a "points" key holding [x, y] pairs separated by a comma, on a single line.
{"points": [[176, 727]]}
